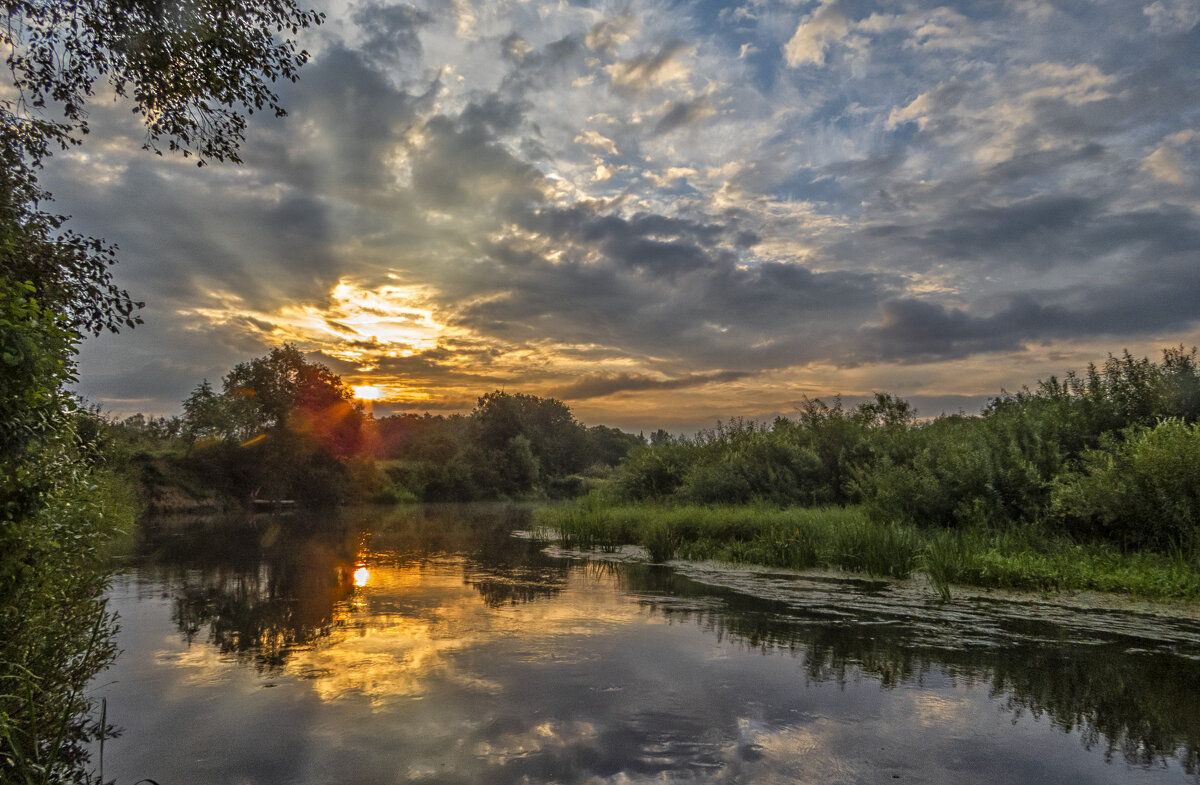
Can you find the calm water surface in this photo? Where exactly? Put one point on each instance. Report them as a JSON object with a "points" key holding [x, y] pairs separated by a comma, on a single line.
{"points": [[432, 645]]}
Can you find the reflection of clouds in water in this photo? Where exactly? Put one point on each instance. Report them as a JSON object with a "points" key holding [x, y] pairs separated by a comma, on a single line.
{"points": [[195, 665], [392, 661], [550, 737], [942, 710], [415, 628], [523, 669], [795, 754]]}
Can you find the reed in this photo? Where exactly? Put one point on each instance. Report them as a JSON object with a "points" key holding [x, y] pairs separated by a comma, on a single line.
{"points": [[1020, 557]]}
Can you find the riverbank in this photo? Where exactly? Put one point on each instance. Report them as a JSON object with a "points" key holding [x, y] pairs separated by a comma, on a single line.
{"points": [[1023, 559]]}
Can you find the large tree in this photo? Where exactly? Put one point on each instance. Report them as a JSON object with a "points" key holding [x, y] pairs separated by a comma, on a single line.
{"points": [[280, 428], [192, 70]]}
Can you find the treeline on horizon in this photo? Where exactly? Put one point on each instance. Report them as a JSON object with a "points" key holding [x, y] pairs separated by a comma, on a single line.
{"points": [[1111, 454], [284, 428]]}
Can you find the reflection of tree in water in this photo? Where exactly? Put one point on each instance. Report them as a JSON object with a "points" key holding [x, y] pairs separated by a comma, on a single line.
{"points": [[259, 588], [262, 618], [504, 570], [481, 532], [1139, 705], [517, 584]]}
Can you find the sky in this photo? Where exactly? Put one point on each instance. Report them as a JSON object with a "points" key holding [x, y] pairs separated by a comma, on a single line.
{"points": [[669, 214]]}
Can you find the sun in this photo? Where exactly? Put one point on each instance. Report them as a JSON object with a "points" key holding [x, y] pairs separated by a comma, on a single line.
{"points": [[366, 392]]}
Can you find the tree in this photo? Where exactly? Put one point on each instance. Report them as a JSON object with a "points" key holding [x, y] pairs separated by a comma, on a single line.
{"points": [[283, 391], [282, 427], [192, 70], [55, 513], [557, 440]]}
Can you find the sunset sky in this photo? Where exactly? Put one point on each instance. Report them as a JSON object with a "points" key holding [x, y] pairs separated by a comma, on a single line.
{"points": [[666, 214]]}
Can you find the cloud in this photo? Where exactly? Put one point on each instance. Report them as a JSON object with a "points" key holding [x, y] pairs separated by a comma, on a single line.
{"points": [[684, 113], [1166, 17], [391, 30], [1075, 84], [598, 385], [1156, 295], [814, 35], [648, 71], [608, 34], [599, 141], [957, 182], [1167, 162]]}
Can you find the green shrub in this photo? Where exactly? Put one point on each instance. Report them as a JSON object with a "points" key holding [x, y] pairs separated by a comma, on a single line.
{"points": [[652, 472], [59, 507], [1139, 491]]}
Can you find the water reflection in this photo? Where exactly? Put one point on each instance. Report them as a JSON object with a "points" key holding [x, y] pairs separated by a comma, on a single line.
{"points": [[431, 645], [261, 589], [1134, 693]]}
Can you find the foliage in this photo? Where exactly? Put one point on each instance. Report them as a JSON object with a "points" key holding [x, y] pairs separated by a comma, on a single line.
{"points": [[512, 445], [1073, 455], [1140, 489], [1022, 557], [68, 271], [810, 461], [192, 70], [58, 507], [282, 428]]}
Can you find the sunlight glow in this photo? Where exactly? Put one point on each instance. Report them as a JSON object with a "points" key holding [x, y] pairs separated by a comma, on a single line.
{"points": [[361, 576], [359, 325], [367, 392]]}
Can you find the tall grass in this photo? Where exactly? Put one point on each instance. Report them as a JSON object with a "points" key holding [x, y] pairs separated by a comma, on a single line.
{"points": [[1024, 558], [797, 538]]}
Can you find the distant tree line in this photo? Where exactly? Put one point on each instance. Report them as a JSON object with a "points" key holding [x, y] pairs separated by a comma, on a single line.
{"points": [[1110, 455], [511, 445], [284, 428]]}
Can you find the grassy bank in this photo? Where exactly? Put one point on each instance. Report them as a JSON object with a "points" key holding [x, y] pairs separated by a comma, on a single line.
{"points": [[846, 538]]}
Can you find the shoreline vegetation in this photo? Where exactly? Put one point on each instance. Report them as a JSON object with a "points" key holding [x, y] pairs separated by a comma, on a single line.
{"points": [[847, 539], [1088, 483]]}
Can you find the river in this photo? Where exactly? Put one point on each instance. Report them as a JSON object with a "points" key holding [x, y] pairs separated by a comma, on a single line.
{"points": [[446, 644]]}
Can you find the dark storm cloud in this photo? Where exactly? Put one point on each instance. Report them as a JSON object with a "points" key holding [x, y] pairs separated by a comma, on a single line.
{"points": [[264, 250], [155, 367], [533, 69], [920, 330], [655, 286], [1160, 297], [463, 166], [493, 114], [1041, 233], [585, 222], [599, 385], [1038, 232], [363, 116]]}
